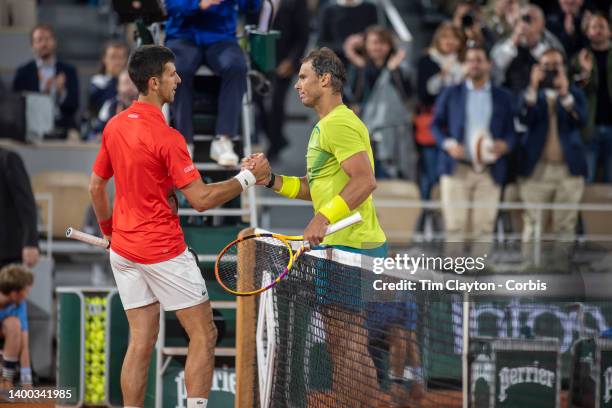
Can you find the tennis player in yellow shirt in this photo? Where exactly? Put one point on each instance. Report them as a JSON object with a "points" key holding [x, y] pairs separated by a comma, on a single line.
{"points": [[339, 182]]}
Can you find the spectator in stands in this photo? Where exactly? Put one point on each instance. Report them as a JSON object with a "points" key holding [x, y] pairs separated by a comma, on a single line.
{"points": [[368, 55], [379, 88], [293, 23], [340, 19], [15, 284], [502, 15], [467, 17], [48, 75], [103, 85], [474, 127], [204, 32], [553, 161], [438, 68], [18, 229], [567, 26], [593, 69], [514, 56], [126, 93]]}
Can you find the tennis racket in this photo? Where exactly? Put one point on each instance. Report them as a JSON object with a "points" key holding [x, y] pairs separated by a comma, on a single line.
{"points": [[244, 275], [75, 234]]}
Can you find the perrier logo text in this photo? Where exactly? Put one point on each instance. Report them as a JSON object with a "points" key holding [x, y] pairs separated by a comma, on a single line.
{"points": [[533, 374]]}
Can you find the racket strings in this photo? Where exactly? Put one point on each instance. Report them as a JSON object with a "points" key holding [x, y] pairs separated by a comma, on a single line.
{"points": [[245, 268]]}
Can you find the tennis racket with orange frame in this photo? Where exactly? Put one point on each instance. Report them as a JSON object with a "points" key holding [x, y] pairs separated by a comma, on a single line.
{"points": [[269, 266]]}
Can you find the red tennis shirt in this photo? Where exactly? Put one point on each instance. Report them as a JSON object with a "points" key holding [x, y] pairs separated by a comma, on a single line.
{"points": [[148, 159]]}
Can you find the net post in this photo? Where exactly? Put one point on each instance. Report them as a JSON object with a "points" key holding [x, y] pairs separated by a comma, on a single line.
{"points": [[246, 325], [465, 352]]}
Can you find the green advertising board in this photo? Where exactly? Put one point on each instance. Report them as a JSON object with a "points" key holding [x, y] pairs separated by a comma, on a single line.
{"points": [[604, 363], [222, 392], [515, 373]]}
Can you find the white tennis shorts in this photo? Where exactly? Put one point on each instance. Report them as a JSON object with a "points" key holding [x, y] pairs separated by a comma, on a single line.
{"points": [[176, 283]]}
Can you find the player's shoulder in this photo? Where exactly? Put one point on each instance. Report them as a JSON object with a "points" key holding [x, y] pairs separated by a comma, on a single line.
{"points": [[343, 118]]}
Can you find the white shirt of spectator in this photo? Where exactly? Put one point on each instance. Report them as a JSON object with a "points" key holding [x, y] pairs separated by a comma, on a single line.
{"points": [[454, 76], [46, 71], [478, 112]]}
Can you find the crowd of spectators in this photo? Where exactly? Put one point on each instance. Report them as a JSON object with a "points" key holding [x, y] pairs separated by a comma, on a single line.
{"points": [[543, 111], [504, 94]]}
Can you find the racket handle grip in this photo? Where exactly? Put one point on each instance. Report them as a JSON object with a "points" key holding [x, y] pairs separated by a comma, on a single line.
{"points": [[73, 233], [343, 223]]}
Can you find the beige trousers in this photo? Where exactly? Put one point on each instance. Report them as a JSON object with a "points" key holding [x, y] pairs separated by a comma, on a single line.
{"points": [[551, 183], [466, 186]]}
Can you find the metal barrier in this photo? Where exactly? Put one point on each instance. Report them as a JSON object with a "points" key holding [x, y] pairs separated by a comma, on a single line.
{"points": [[266, 203]]}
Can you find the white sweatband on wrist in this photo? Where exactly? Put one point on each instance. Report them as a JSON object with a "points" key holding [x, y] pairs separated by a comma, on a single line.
{"points": [[246, 179]]}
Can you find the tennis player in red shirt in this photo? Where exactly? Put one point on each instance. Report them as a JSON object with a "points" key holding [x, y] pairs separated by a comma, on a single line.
{"points": [[148, 255]]}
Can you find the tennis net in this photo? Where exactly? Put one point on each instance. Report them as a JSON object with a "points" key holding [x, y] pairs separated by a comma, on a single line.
{"points": [[321, 338], [324, 341]]}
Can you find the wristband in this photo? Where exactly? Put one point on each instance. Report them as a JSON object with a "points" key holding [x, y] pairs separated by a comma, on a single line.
{"points": [[290, 187], [25, 375], [272, 180], [106, 226], [335, 210], [246, 179]]}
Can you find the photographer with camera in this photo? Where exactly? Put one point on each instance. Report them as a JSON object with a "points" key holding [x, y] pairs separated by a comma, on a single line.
{"points": [[468, 18], [514, 56], [553, 157]]}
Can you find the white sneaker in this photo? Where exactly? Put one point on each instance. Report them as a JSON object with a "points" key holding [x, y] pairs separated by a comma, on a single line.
{"points": [[222, 151]]}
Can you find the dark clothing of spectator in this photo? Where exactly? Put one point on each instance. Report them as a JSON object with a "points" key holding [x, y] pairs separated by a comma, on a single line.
{"points": [[102, 88], [337, 23], [512, 63], [110, 108], [603, 111], [450, 120], [18, 228], [187, 21], [429, 84], [597, 133], [27, 79], [208, 37], [569, 125], [293, 23], [429, 67], [573, 42], [361, 81], [225, 59]]}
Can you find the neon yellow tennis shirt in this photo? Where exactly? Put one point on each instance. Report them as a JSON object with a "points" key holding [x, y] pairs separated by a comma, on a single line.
{"points": [[338, 136]]}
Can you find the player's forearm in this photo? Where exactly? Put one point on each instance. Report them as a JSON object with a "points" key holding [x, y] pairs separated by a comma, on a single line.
{"points": [[304, 193], [215, 194], [100, 203], [357, 190]]}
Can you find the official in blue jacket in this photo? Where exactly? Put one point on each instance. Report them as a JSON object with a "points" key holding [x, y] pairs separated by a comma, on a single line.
{"points": [[474, 130], [204, 32], [552, 155]]}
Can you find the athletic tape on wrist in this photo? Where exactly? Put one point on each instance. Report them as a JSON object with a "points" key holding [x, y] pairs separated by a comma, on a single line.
{"points": [[336, 209], [290, 187], [246, 179]]}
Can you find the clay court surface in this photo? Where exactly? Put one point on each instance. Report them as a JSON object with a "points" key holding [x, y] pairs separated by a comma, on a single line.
{"points": [[433, 399]]}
